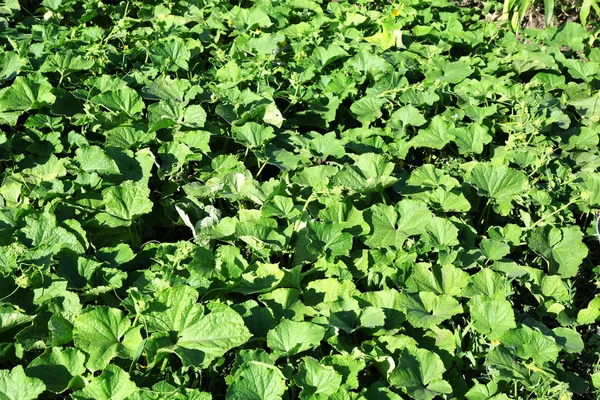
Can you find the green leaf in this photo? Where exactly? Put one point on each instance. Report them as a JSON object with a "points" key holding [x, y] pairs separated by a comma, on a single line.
{"points": [[406, 116], [10, 65], [588, 107], [126, 202], [128, 136], [562, 248], [586, 6], [347, 214], [502, 363], [390, 230], [182, 327], [10, 318], [367, 109], [437, 134], [112, 384], [329, 238], [252, 134], [273, 116], [65, 62], [59, 369], [259, 278], [584, 70], [104, 333], [290, 337], [420, 373], [348, 366], [166, 88], [124, 100], [281, 207], [42, 230], [530, 343], [370, 173], [168, 113], [94, 159], [487, 283], [440, 233], [27, 93], [439, 279], [249, 18], [172, 156], [572, 35], [591, 313], [257, 380], [170, 54], [470, 140], [426, 309], [322, 56], [596, 380], [491, 316], [15, 385], [324, 146], [494, 249], [501, 183], [317, 381]]}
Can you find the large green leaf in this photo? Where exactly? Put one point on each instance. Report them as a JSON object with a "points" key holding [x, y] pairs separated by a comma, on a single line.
{"points": [[59, 369], [290, 337], [370, 172], [317, 381], [124, 99], [252, 134], [182, 327], [171, 54], [257, 380], [390, 230], [10, 64], [420, 373], [437, 134], [500, 183], [563, 248], [27, 93], [104, 333], [491, 316], [124, 203], [530, 343], [15, 385], [426, 309], [112, 384]]}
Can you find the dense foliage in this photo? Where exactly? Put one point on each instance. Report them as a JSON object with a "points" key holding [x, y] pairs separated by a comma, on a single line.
{"points": [[296, 199]]}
